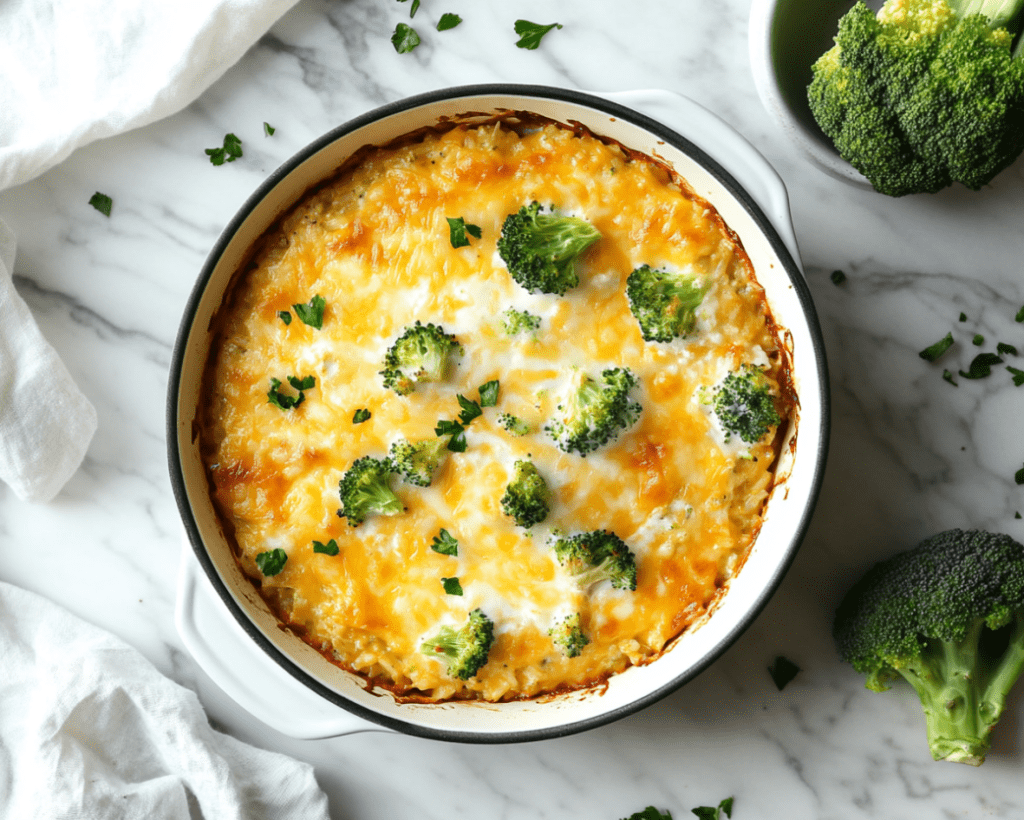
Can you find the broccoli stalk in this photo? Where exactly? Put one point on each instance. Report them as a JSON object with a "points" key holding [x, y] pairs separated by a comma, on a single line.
{"points": [[664, 302], [594, 413], [593, 557], [540, 249], [465, 649], [418, 461], [365, 488], [948, 616], [527, 497], [421, 353], [924, 94]]}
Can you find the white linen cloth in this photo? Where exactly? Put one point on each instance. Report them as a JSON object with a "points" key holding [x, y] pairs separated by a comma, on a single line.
{"points": [[90, 730]]}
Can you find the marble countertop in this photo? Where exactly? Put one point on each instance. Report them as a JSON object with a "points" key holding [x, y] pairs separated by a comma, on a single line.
{"points": [[910, 454]]}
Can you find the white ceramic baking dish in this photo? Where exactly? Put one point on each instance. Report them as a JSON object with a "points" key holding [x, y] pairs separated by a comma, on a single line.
{"points": [[290, 686]]}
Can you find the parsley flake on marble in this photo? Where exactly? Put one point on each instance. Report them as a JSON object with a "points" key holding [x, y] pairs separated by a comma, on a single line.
{"points": [[448, 21], [412, 9], [948, 376], [981, 366], [459, 231], [714, 812], [933, 352], [1018, 375], [838, 277], [330, 548], [272, 561], [229, 152], [782, 670], [978, 340], [268, 129], [1004, 349], [405, 38], [1020, 315], [963, 316], [102, 203], [650, 813], [1019, 476], [312, 313], [530, 34], [445, 543]]}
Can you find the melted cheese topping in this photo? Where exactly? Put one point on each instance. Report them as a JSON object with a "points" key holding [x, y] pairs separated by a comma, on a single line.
{"points": [[375, 244]]}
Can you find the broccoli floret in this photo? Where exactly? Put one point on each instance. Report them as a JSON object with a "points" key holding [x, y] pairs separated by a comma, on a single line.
{"points": [[664, 302], [568, 635], [514, 322], [923, 94], [420, 354], [464, 649], [743, 403], [593, 557], [540, 248], [594, 413], [948, 616], [366, 488], [513, 424], [527, 497], [418, 461]]}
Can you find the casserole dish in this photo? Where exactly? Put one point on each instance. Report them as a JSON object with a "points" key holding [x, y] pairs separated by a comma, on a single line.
{"points": [[787, 511]]}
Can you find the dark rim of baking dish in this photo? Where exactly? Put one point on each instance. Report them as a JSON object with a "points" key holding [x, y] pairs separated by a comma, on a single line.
{"points": [[526, 92]]}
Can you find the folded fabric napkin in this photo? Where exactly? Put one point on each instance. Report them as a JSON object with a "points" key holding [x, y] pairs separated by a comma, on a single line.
{"points": [[89, 729], [45, 421]]}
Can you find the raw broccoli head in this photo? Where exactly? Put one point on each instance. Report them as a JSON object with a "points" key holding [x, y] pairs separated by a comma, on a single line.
{"points": [[922, 95], [540, 249], [366, 488], [594, 412], [527, 498], [664, 302], [464, 649], [593, 557], [743, 403], [948, 616], [418, 461], [421, 353], [568, 635]]}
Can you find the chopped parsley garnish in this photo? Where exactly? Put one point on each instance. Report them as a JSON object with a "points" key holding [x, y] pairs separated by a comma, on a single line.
{"points": [[285, 401], [312, 313], [948, 376], [650, 813], [229, 152], [530, 34], [978, 340], [458, 229], [1003, 349], [361, 415], [272, 561], [102, 203], [268, 129], [284, 316], [489, 393], [456, 433], [405, 38], [1020, 315], [1017, 514], [330, 548], [445, 543], [981, 366], [415, 7], [714, 812], [470, 409], [451, 586], [963, 316], [933, 352], [782, 670], [1018, 375], [448, 21], [838, 277]]}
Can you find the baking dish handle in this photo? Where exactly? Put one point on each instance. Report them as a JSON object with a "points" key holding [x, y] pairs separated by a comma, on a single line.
{"points": [[726, 146], [222, 649]]}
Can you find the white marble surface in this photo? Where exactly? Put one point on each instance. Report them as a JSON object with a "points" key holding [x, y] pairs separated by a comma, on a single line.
{"points": [[911, 454]]}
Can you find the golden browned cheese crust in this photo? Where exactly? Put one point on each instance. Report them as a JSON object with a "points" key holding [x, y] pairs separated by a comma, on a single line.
{"points": [[375, 245]]}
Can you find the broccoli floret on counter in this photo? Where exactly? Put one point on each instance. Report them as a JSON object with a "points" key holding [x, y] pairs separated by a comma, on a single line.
{"points": [[594, 413], [948, 616], [664, 302], [514, 322], [513, 424], [465, 649], [593, 557], [744, 405], [540, 248], [527, 497], [568, 635], [366, 488], [422, 353], [924, 93], [418, 461]]}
